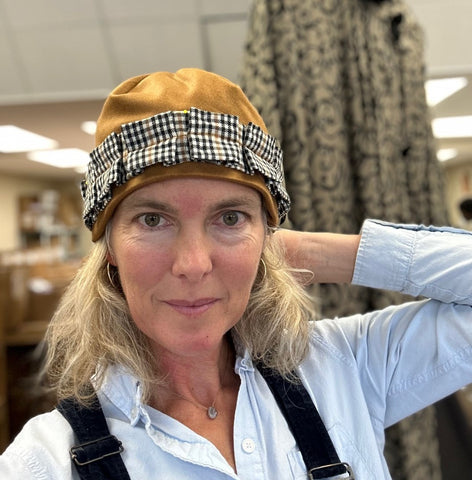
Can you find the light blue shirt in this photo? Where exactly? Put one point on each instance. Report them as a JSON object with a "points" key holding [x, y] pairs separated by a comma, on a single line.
{"points": [[364, 373]]}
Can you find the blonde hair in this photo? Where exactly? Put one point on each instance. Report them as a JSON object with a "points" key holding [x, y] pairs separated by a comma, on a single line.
{"points": [[92, 327]]}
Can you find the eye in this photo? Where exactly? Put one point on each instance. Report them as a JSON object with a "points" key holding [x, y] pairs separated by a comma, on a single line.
{"points": [[151, 219], [230, 219]]}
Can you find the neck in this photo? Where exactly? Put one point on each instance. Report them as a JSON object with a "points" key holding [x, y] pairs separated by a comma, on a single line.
{"points": [[198, 380]]}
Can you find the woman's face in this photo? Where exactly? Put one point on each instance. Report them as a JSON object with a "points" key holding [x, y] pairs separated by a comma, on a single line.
{"points": [[187, 252]]}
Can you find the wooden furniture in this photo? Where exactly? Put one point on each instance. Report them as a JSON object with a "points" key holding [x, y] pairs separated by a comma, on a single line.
{"points": [[29, 294], [4, 425]]}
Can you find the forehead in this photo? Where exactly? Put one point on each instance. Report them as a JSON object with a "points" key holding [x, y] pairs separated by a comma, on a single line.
{"points": [[197, 192]]}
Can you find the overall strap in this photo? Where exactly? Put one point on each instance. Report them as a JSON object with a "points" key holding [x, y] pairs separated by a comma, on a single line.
{"points": [[306, 425], [97, 456]]}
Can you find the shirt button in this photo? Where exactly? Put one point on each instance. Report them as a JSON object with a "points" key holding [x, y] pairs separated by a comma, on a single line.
{"points": [[248, 445]]}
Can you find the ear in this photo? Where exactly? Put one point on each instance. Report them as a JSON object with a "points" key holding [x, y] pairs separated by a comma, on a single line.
{"points": [[110, 258]]}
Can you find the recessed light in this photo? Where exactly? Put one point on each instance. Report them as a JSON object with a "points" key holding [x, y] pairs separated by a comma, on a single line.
{"points": [[452, 127], [14, 139], [437, 90], [81, 169], [89, 127], [61, 158], [445, 154]]}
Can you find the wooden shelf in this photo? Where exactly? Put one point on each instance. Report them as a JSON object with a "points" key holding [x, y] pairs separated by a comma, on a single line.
{"points": [[30, 333]]}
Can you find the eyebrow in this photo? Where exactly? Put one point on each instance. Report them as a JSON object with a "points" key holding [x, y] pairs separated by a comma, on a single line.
{"points": [[236, 202], [140, 203]]}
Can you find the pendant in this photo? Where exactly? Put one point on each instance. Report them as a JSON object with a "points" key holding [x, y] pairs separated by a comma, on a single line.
{"points": [[212, 412]]}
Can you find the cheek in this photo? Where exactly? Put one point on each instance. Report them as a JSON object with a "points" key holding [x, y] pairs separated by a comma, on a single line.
{"points": [[241, 268], [140, 268]]}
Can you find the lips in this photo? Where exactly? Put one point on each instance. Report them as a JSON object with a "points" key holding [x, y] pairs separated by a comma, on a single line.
{"points": [[191, 307]]}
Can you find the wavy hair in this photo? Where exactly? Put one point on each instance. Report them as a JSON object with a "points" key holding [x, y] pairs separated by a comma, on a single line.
{"points": [[92, 326]]}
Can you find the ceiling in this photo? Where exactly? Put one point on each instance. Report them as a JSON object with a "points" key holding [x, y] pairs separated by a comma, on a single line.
{"points": [[60, 58]]}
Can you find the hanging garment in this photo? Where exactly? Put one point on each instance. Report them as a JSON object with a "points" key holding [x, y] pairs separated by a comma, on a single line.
{"points": [[340, 83]]}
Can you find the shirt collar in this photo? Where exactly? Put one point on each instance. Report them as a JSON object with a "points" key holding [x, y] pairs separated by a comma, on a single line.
{"points": [[124, 390]]}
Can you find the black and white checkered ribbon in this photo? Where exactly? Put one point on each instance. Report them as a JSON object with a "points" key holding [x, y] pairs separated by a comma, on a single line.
{"points": [[171, 138]]}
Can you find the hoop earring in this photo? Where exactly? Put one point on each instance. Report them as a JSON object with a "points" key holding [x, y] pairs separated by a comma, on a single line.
{"points": [[264, 271], [110, 277]]}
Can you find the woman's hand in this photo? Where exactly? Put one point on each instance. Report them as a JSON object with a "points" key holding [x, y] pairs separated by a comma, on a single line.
{"points": [[330, 256]]}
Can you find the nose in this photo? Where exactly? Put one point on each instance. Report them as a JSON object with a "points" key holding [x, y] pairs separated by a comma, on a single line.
{"points": [[193, 256]]}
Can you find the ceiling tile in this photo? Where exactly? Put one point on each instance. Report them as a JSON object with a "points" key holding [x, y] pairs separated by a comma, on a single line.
{"points": [[143, 48], [12, 80], [124, 9], [225, 42], [28, 13], [65, 59], [219, 7], [446, 32]]}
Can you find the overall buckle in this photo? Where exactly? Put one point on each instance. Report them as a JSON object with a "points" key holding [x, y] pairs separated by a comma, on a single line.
{"points": [[314, 473], [110, 446]]}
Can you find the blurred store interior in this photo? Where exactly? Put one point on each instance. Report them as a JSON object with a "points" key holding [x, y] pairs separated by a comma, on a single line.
{"points": [[60, 58]]}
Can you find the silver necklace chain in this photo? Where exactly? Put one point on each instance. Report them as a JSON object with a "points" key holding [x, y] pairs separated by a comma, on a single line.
{"points": [[211, 411]]}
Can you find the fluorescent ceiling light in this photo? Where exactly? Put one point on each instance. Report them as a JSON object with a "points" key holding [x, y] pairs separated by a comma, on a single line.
{"points": [[439, 89], [89, 127], [14, 139], [61, 158], [82, 169], [445, 154], [452, 127]]}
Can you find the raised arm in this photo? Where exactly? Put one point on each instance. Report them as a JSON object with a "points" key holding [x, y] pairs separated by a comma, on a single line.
{"points": [[330, 256], [416, 260]]}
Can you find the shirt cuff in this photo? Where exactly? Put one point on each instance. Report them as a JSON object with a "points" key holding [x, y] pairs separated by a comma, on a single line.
{"points": [[384, 256]]}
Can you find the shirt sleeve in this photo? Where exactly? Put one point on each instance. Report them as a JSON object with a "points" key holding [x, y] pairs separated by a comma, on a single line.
{"points": [[40, 451], [410, 356], [416, 260]]}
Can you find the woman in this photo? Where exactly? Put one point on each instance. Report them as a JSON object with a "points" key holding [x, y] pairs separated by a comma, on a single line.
{"points": [[185, 301]]}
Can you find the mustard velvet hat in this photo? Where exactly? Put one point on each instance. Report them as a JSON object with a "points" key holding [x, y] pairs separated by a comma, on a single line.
{"points": [[166, 125]]}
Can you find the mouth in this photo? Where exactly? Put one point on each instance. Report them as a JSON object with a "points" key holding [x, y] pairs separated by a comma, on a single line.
{"points": [[191, 307]]}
